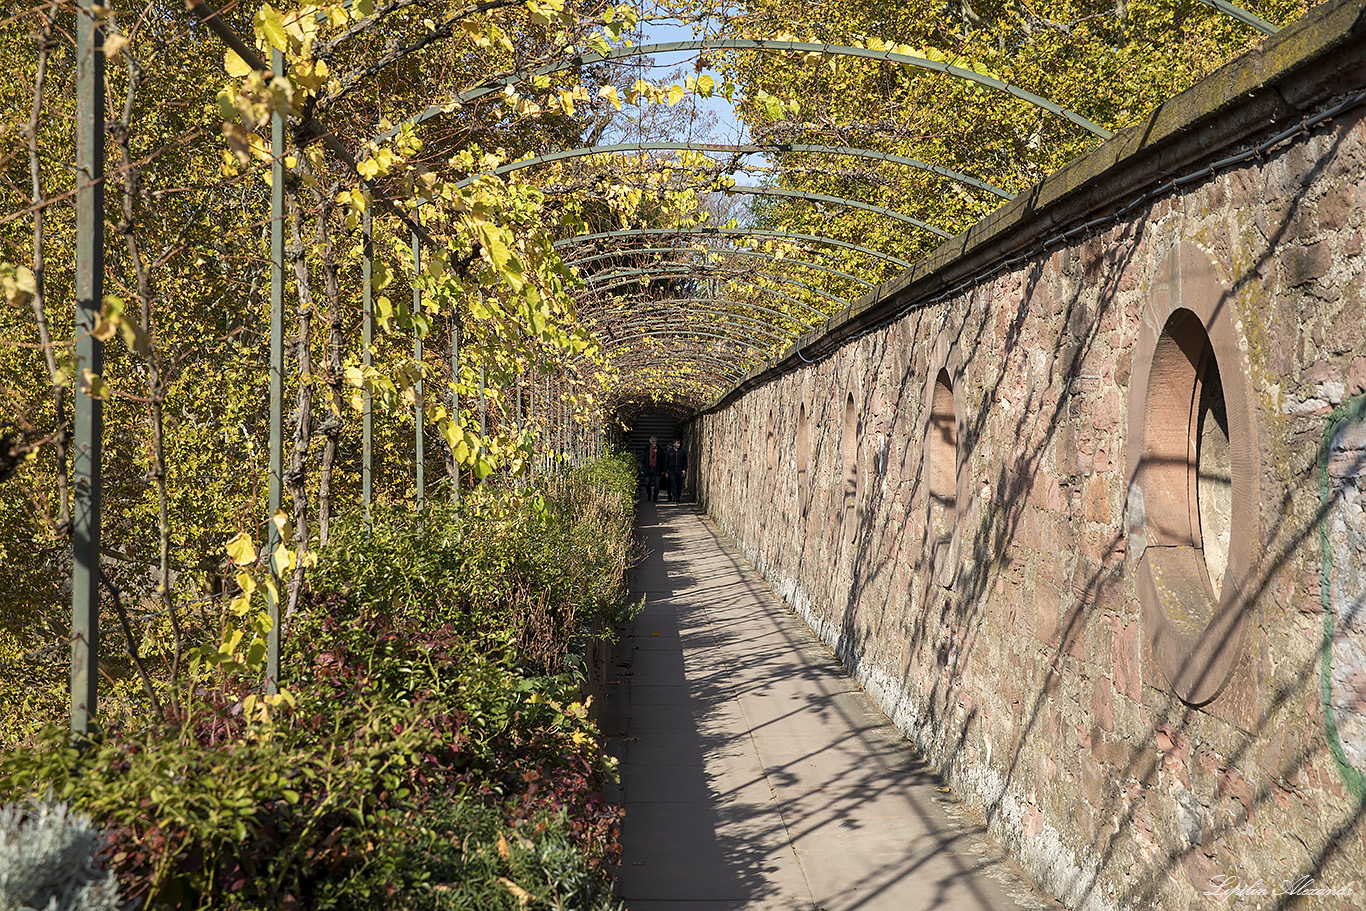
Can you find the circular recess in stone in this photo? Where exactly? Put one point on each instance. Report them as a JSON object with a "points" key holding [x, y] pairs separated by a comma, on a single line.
{"points": [[1193, 502]]}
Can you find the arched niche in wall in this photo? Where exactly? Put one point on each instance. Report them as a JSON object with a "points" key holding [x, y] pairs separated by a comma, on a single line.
{"points": [[850, 486], [803, 456], [1192, 464], [771, 442], [943, 457]]}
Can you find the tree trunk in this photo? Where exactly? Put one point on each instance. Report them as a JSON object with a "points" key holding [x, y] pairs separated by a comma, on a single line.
{"points": [[296, 472]]}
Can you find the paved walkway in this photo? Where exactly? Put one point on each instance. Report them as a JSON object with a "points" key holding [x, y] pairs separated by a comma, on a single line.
{"points": [[755, 773]]}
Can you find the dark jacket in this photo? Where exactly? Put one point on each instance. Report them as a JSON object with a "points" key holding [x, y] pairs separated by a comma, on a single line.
{"points": [[658, 466], [675, 459]]}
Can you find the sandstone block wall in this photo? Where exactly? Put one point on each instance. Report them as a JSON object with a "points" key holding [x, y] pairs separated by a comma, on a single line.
{"points": [[1129, 627]]}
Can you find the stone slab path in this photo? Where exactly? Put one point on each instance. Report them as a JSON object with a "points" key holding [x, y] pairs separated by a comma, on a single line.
{"points": [[755, 774]]}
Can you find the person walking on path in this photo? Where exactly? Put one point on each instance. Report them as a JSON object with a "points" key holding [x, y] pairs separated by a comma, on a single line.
{"points": [[676, 466], [653, 464]]}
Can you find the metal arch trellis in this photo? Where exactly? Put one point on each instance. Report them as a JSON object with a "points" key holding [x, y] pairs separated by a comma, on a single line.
{"points": [[728, 371], [732, 318], [703, 375], [826, 199], [782, 192], [772, 292], [627, 311], [691, 374], [733, 232], [714, 273], [498, 84], [87, 424], [708, 252], [722, 371], [759, 331], [747, 149], [685, 334]]}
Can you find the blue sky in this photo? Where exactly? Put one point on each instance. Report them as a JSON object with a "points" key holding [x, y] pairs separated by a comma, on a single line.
{"points": [[728, 128]]}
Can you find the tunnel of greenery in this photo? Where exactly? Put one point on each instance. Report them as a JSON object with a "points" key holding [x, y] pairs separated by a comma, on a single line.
{"points": [[310, 517]]}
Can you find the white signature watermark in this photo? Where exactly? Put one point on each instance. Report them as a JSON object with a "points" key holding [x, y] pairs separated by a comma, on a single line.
{"points": [[1227, 888]]}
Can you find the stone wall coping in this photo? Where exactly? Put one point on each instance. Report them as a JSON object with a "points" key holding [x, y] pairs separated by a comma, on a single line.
{"points": [[1319, 57]]}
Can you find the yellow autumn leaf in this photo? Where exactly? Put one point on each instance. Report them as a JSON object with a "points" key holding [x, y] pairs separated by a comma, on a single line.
{"points": [[19, 286], [234, 64], [523, 897], [241, 549]]}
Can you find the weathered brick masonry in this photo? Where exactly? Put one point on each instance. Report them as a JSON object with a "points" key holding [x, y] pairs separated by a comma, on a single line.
{"points": [[1126, 620]]}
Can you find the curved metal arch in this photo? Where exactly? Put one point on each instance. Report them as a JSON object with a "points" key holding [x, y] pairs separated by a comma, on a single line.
{"points": [[711, 372], [837, 201], [700, 387], [1223, 6], [825, 198], [1243, 16], [627, 406], [759, 330], [706, 252], [712, 272], [782, 192], [734, 232], [733, 369], [726, 372], [729, 314], [747, 149], [722, 372], [668, 332], [772, 292], [588, 313], [492, 86], [706, 376]]}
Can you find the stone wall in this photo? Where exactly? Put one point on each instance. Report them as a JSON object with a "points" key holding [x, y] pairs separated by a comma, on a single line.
{"points": [[1090, 529]]}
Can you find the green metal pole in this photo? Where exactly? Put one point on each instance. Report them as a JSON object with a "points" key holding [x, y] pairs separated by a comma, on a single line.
{"points": [[367, 265], [88, 419], [483, 411], [455, 399], [518, 388], [277, 375], [417, 390]]}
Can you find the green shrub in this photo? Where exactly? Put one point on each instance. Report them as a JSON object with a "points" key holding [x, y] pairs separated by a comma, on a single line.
{"points": [[431, 754]]}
